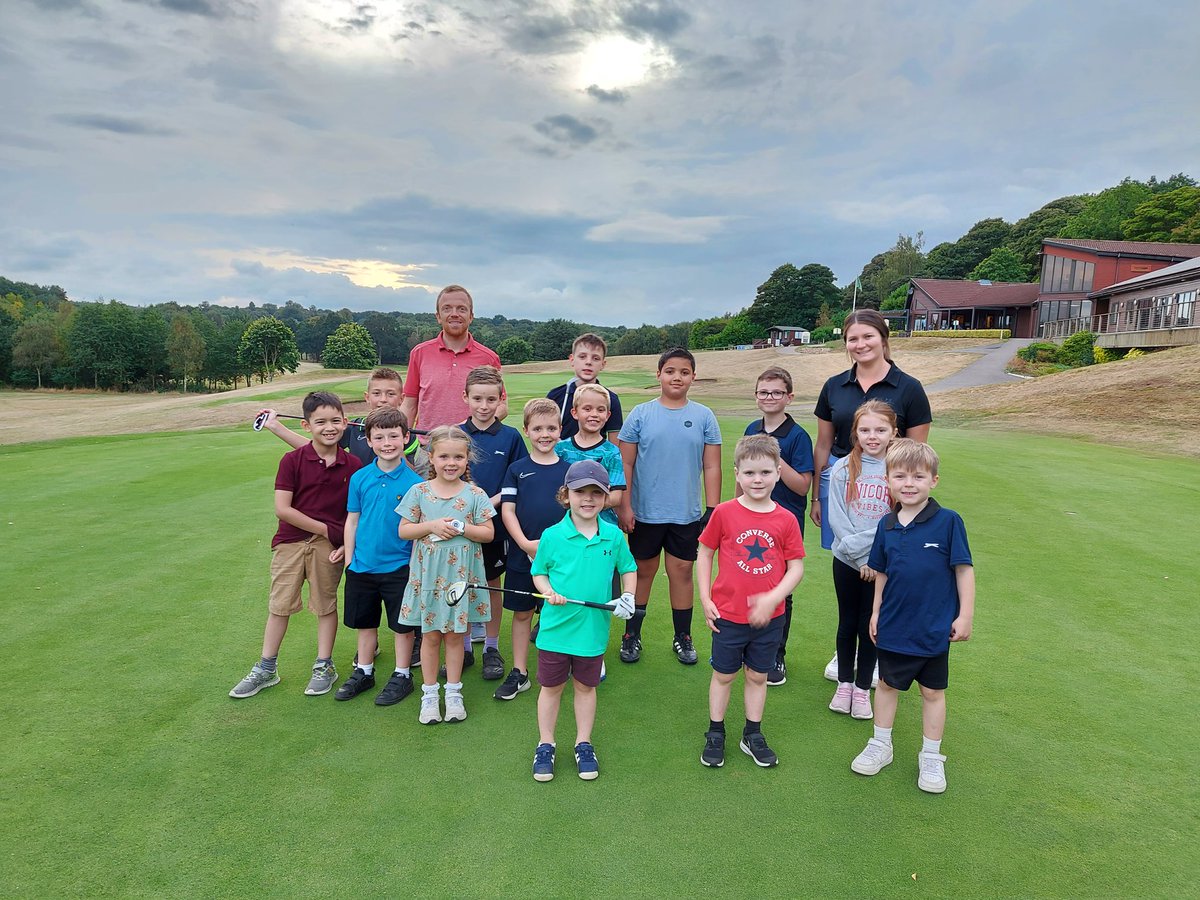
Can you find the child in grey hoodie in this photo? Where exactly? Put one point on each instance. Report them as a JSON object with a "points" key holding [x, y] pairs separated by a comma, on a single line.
{"points": [[858, 499]]}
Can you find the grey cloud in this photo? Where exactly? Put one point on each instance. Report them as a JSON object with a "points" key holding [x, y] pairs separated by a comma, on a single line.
{"points": [[362, 20], [212, 9], [614, 96], [654, 19], [115, 124], [761, 61], [98, 52], [566, 129], [546, 34]]}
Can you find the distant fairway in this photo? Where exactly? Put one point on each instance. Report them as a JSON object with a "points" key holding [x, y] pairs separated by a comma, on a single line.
{"points": [[134, 578]]}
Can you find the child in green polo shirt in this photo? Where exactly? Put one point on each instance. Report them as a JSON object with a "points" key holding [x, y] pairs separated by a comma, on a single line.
{"points": [[576, 559]]}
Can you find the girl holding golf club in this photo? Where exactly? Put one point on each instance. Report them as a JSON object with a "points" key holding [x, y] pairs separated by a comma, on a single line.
{"points": [[858, 499], [448, 519]]}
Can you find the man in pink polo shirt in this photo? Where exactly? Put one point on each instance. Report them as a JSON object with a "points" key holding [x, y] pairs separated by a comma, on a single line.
{"points": [[437, 369]]}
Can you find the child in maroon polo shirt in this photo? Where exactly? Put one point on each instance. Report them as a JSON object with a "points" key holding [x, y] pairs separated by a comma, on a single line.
{"points": [[310, 502]]}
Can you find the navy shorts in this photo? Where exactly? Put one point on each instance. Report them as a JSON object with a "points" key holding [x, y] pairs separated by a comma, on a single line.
{"points": [[520, 581], [736, 645], [646, 541], [494, 555], [365, 591], [899, 670]]}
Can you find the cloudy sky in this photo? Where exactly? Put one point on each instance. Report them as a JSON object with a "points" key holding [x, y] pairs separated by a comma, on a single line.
{"points": [[615, 161]]}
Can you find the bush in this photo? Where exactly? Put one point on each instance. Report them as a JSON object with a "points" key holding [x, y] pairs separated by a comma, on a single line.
{"points": [[514, 350], [1042, 352], [822, 334], [1079, 349], [1135, 353], [1000, 334], [1102, 355]]}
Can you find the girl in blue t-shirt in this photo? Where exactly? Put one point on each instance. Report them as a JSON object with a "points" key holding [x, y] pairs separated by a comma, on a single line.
{"points": [[858, 499]]}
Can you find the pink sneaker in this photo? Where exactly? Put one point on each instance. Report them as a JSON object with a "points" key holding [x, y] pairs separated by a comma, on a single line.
{"points": [[860, 705], [842, 698]]}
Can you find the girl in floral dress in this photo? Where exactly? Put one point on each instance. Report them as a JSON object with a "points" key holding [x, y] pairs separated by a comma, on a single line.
{"points": [[448, 519]]}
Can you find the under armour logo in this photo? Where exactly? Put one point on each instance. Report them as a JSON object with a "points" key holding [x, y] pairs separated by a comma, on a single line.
{"points": [[608, 553]]}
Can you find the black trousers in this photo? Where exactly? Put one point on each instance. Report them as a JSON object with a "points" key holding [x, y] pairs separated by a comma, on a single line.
{"points": [[855, 598]]}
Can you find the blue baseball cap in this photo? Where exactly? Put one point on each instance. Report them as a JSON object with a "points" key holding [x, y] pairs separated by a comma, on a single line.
{"points": [[586, 472]]}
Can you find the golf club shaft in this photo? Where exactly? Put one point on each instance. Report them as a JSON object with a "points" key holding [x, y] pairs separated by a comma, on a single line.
{"points": [[358, 424], [589, 603]]}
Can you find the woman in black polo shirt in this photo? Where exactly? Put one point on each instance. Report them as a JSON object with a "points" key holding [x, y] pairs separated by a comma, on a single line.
{"points": [[872, 376]]}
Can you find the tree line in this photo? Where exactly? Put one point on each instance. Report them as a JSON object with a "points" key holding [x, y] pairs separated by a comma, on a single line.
{"points": [[47, 340]]}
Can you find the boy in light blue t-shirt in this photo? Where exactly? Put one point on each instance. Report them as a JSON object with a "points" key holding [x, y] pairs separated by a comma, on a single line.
{"points": [[667, 445]]}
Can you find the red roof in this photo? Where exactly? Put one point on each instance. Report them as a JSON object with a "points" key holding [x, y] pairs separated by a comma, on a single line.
{"points": [[950, 293], [1148, 249]]}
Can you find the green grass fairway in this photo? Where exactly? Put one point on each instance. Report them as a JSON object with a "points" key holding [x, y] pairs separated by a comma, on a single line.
{"points": [[134, 576]]}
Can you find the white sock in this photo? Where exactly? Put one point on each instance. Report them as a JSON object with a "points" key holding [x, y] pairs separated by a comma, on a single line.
{"points": [[930, 746], [402, 670], [369, 668], [883, 734], [428, 689], [454, 688]]}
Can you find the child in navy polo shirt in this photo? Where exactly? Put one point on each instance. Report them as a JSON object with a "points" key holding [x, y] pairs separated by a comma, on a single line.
{"points": [[773, 394], [497, 446], [587, 359], [310, 503], [528, 506], [760, 560], [924, 600], [376, 562]]}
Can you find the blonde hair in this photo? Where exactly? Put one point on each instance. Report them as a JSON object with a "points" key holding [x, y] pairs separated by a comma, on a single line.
{"points": [[756, 445], [444, 434], [913, 456], [585, 389], [539, 406], [588, 339], [383, 373], [854, 463]]}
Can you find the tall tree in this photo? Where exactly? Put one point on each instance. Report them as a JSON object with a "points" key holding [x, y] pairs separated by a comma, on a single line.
{"points": [[904, 260], [642, 340], [388, 336], [1103, 213], [37, 346], [1003, 265], [793, 296], [1173, 217], [185, 349], [150, 346], [955, 260], [552, 339], [221, 362], [349, 347], [267, 347], [1027, 234], [514, 350]]}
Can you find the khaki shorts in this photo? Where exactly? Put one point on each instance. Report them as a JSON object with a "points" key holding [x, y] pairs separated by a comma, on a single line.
{"points": [[293, 564]]}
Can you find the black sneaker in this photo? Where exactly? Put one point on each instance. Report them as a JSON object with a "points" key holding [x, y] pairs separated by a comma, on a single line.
{"points": [[493, 664], [354, 662], [755, 746], [358, 682], [685, 650], [416, 654], [713, 754], [397, 688], [468, 661], [517, 682], [631, 648], [777, 675]]}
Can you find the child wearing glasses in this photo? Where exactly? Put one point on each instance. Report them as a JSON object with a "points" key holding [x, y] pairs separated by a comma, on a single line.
{"points": [[772, 394]]}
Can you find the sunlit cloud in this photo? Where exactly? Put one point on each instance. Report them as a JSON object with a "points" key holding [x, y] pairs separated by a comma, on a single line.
{"points": [[368, 273]]}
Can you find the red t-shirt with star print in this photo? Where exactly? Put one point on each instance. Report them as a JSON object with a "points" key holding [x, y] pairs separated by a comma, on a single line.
{"points": [[752, 553]]}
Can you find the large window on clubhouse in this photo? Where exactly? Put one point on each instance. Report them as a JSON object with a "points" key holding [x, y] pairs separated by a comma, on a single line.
{"points": [[1063, 276]]}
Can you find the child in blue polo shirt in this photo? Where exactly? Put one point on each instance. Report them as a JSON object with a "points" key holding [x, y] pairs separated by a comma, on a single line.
{"points": [[924, 600], [376, 561], [773, 394], [497, 446], [528, 506], [576, 559]]}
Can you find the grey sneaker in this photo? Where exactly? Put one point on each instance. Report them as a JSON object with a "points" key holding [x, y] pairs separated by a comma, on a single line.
{"points": [[456, 711], [258, 679], [478, 632], [323, 678]]}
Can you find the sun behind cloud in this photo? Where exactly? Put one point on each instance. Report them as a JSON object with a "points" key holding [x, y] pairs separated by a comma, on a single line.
{"points": [[366, 273], [614, 62]]}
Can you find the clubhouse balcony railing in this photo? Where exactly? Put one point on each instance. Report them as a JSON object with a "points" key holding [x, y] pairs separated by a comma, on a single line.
{"points": [[1127, 322]]}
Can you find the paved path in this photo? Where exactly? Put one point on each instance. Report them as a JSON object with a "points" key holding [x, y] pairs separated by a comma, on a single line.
{"points": [[988, 369]]}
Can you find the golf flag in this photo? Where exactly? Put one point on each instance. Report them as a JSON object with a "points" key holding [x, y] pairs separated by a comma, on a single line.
{"points": [[858, 284]]}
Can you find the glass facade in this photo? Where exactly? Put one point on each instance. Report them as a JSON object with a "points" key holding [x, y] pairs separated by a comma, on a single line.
{"points": [[1175, 310], [1062, 276]]}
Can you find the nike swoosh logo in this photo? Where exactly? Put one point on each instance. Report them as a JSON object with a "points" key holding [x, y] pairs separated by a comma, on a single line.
{"points": [[524, 474]]}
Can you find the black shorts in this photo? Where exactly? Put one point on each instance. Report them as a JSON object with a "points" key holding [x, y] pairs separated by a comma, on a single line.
{"points": [[494, 555], [900, 670], [646, 541], [520, 581], [737, 644], [365, 591]]}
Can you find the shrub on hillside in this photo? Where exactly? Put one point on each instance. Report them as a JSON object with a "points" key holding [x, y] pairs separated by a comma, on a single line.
{"points": [[1104, 355], [822, 334], [1000, 334], [1135, 353], [1042, 352], [1079, 349]]}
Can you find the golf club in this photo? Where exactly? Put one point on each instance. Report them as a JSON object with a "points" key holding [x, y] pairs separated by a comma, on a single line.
{"points": [[458, 589], [261, 419]]}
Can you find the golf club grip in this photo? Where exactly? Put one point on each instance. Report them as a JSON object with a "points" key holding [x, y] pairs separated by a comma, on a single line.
{"points": [[607, 607]]}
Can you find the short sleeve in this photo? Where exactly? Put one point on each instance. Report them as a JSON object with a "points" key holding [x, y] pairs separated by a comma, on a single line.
{"points": [[481, 507], [286, 476], [615, 420], [412, 380], [792, 540], [878, 558], [710, 537], [354, 495], [625, 561], [712, 431], [508, 487], [631, 431], [916, 409], [616, 469], [409, 507], [801, 458], [520, 451], [541, 560], [960, 551], [823, 410]]}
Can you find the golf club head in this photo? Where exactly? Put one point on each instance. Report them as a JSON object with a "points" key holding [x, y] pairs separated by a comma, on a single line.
{"points": [[455, 592]]}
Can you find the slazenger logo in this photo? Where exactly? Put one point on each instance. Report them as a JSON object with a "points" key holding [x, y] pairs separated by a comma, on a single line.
{"points": [[498, 452], [934, 546]]}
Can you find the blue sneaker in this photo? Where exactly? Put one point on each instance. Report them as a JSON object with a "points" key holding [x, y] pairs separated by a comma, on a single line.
{"points": [[585, 759], [543, 762]]}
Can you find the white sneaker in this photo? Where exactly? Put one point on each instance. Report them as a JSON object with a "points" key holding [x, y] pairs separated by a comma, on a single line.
{"points": [[875, 676], [431, 712], [831, 670], [860, 705], [932, 777], [842, 698], [455, 710], [874, 757]]}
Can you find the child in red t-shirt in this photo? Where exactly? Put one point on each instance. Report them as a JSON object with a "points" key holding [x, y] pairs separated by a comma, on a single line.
{"points": [[760, 553]]}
